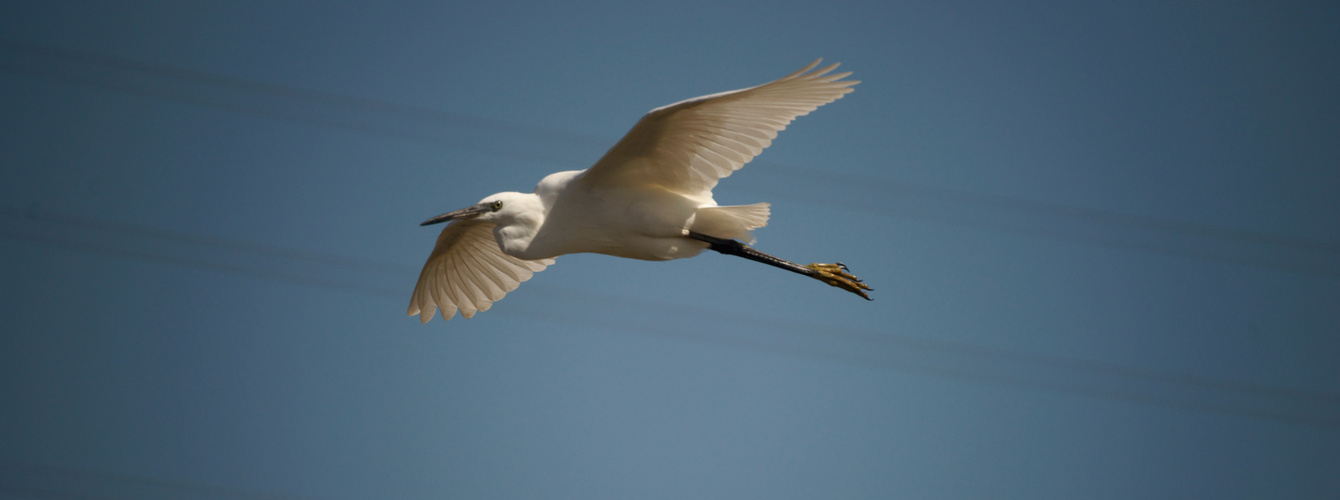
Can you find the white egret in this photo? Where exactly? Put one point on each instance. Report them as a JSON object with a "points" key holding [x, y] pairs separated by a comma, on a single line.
{"points": [[649, 197]]}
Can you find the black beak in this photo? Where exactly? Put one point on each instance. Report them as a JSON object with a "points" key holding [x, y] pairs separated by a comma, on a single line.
{"points": [[464, 213]]}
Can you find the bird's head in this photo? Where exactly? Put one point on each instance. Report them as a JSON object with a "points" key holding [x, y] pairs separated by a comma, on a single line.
{"points": [[501, 209]]}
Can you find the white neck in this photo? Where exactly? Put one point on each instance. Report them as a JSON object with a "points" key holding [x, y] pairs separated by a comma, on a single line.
{"points": [[523, 215]]}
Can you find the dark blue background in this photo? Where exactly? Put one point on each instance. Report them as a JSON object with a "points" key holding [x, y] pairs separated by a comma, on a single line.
{"points": [[1103, 238]]}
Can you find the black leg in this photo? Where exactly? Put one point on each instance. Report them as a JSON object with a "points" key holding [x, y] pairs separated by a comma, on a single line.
{"points": [[735, 247], [833, 274]]}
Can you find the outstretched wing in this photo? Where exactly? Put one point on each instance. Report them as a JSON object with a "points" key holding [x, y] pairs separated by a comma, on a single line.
{"points": [[468, 271], [688, 146]]}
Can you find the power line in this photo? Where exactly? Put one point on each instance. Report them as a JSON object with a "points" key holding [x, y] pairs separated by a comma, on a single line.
{"points": [[37, 213], [286, 91], [282, 102], [969, 362], [867, 194], [1106, 217], [877, 201], [959, 360], [1115, 230], [282, 258]]}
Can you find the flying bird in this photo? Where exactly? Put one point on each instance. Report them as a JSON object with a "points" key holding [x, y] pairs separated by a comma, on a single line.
{"points": [[649, 198]]}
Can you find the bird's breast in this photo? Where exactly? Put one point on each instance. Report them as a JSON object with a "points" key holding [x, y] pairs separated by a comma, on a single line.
{"points": [[645, 224]]}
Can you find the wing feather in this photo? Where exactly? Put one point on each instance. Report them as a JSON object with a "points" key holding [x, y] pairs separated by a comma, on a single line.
{"points": [[689, 146], [467, 272]]}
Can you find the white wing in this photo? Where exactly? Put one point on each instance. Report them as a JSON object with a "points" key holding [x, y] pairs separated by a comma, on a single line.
{"points": [[688, 146], [468, 271]]}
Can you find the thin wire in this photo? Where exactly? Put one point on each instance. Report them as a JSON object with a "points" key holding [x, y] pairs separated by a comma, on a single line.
{"points": [[274, 113], [1106, 217], [171, 72], [39, 214], [368, 105], [876, 188], [1329, 419], [959, 351]]}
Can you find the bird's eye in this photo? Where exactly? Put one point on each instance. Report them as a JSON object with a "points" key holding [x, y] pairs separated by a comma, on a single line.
{"points": [[496, 206]]}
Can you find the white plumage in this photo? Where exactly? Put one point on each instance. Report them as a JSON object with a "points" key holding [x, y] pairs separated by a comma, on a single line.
{"points": [[468, 270], [649, 197]]}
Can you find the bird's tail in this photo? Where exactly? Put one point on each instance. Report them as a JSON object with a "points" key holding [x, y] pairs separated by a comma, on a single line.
{"points": [[735, 222]]}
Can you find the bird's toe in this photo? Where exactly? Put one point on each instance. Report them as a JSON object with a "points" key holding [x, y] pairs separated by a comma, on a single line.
{"points": [[837, 275]]}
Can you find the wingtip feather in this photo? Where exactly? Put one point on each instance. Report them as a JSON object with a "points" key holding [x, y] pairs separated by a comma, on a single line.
{"points": [[804, 70], [823, 71]]}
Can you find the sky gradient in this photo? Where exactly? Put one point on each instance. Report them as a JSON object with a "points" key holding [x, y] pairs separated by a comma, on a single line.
{"points": [[1104, 242]]}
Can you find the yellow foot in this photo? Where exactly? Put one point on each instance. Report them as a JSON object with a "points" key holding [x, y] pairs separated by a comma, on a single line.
{"points": [[836, 275]]}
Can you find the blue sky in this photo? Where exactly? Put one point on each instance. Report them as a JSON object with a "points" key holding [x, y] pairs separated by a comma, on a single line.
{"points": [[1103, 241]]}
